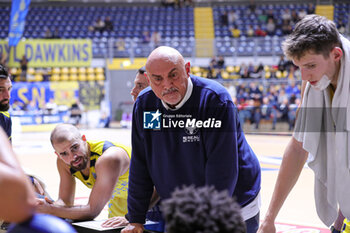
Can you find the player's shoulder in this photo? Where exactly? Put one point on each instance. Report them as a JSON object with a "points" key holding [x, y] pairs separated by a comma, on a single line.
{"points": [[5, 114]]}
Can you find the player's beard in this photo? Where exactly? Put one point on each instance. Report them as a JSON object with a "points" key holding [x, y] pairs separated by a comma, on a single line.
{"points": [[82, 165], [4, 107]]}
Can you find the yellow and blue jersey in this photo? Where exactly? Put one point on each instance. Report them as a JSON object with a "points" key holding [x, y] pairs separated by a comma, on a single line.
{"points": [[5, 123], [117, 205], [346, 226]]}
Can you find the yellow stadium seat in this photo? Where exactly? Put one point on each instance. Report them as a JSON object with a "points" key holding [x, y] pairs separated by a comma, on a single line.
{"points": [[196, 69], [31, 71], [82, 70], [64, 70], [100, 77], [230, 69], [91, 77], [266, 68], [198, 74], [225, 75], [90, 70], [73, 70], [235, 76], [278, 74], [99, 70], [56, 70], [284, 74], [64, 77], [38, 77], [237, 69], [73, 77], [82, 77], [55, 77], [268, 75], [15, 71]]}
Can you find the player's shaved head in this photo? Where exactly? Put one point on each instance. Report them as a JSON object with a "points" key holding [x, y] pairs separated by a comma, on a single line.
{"points": [[64, 132]]}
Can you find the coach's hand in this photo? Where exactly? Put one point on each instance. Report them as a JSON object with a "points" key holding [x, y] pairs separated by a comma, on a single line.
{"points": [[115, 222], [133, 228]]}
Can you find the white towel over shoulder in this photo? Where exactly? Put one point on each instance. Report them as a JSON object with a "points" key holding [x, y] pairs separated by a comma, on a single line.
{"points": [[323, 127]]}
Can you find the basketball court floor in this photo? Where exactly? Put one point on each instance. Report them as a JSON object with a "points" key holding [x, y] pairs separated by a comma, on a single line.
{"points": [[297, 215]]}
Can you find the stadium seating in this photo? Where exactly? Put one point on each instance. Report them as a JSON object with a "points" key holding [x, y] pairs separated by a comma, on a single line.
{"points": [[176, 26]]}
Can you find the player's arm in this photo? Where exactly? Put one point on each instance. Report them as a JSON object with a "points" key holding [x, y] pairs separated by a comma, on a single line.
{"points": [[17, 200], [67, 185], [112, 163], [293, 161]]}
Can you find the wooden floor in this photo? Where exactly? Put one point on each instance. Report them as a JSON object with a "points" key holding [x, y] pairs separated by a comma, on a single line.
{"points": [[36, 154]]}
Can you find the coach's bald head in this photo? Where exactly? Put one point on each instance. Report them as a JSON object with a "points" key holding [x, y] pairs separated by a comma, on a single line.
{"points": [[168, 74]]}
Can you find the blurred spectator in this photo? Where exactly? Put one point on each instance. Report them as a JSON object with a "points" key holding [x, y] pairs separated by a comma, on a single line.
{"points": [[267, 111], [286, 27], [262, 17], [293, 106], [24, 66], [310, 9], [146, 38], [104, 120], [341, 26], [221, 62], [99, 25], [286, 14], [17, 107], [270, 27], [282, 64], [47, 33], [294, 17], [156, 39], [235, 32], [259, 31], [56, 34], [120, 43], [232, 17], [76, 112], [292, 89], [282, 96], [270, 14], [32, 108], [224, 19], [168, 3], [302, 13], [250, 31], [244, 72], [51, 107], [108, 24]]}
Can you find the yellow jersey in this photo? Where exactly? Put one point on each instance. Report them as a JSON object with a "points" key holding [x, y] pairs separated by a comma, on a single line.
{"points": [[117, 205]]}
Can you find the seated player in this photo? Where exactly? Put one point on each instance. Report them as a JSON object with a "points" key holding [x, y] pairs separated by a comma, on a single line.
{"points": [[102, 166]]}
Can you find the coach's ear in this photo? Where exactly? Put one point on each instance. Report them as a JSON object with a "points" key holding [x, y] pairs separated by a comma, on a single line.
{"points": [[83, 137], [188, 68], [57, 154]]}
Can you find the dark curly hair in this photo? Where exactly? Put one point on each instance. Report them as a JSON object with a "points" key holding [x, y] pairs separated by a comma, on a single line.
{"points": [[3, 72], [202, 210]]}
